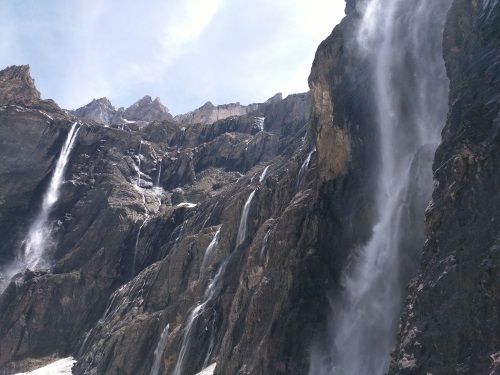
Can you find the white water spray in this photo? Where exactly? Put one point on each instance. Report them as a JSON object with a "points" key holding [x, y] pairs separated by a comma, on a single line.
{"points": [[39, 233], [402, 39], [160, 349]]}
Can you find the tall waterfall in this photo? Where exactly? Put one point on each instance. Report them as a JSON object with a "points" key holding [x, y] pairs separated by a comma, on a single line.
{"points": [[402, 40], [39, 233]]}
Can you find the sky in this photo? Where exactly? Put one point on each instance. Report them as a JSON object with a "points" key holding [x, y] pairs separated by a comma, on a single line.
{"points": [[185, 52]]}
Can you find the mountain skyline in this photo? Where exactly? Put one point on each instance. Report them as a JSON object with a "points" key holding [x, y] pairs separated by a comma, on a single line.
{"points": [[185, 53]]}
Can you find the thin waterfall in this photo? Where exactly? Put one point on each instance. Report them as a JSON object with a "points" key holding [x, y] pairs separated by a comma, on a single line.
{"points": [[263, 175], [264, 247], [209, 251], [211, 292], [159, 174], [139, 165], [211, 345], [160, 349], [242, 229], [39, 233], [137, 241], [303, 170], [402, 39]]}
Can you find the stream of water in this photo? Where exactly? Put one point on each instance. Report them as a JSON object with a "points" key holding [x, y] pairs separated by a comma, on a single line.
{"points": [[402, 41]]}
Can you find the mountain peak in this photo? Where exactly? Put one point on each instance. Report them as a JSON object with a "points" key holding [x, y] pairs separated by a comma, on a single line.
{"points": [[17, 87]]}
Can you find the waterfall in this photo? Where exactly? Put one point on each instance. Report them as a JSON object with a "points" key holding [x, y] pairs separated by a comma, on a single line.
{"points": [[137, 240], [242, 229], [263, 175], [264, 246], [402, 40], [139, 165], [159, 175], [160, 348], [212, 290], [39, 233], [210, 249], [303, 170]]}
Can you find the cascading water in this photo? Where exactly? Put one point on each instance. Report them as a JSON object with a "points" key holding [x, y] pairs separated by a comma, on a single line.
{"points": [[159, 174], [212, 290], [139, 165], [242, 229], [39, 233], [210, 249], [160, 348], [146, 219], [263, 175], [402, 39], [303, 169], [264, 247]]}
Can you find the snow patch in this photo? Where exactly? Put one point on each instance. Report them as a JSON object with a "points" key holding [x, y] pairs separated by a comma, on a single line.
{"points": [[186, 204], [208, 370], [60, 367]]}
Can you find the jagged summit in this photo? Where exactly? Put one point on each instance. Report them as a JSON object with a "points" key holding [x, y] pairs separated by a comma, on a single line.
{"points": [[98, 110], [147, 110], [142, 112], [17, 87]]}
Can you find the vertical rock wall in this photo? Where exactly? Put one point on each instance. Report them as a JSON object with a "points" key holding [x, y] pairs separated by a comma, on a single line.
{"points": [[451, 323]]}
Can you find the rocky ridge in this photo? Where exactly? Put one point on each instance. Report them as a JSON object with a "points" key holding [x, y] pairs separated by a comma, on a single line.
{"points": [[175, 274], [137, 115], [209, 113]]}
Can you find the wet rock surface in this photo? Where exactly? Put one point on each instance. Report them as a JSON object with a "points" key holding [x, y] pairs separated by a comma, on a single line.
{"points": [[450, 324]]}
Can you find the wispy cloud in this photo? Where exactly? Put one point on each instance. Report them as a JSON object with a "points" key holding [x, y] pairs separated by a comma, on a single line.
{"points": [[185, 52]]}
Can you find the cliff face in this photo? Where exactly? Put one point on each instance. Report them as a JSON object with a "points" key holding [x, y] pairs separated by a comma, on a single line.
{"points": [[17, 86], [176, 244], [130, 232], [450, 323], [209, 113]]}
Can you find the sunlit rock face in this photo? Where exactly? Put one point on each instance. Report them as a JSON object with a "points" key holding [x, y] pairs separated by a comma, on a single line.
{"points": [[209, 113], [17, 86]]}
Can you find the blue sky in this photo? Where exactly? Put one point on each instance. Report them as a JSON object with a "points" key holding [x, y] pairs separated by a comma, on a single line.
{"points": [[186, 52]]}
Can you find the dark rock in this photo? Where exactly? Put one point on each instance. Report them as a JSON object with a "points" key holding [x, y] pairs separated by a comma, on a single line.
{"points": [[451, 324]]}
